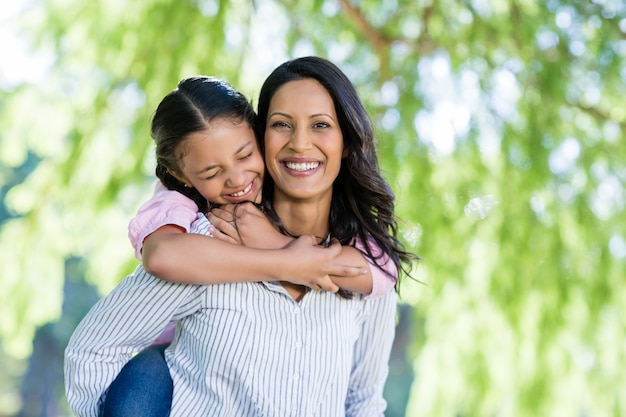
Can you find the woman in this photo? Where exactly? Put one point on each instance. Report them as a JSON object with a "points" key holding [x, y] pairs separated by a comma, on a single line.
{"points": [[270, 348]]}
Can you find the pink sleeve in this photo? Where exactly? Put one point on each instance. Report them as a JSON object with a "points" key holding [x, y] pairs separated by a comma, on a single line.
{"points": [[383, 279], [167, 335], [165, 207]]}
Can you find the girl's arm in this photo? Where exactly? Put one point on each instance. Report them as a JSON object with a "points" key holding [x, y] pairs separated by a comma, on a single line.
{"points": [[384, 271], [247, 225], [170, 214], [157, 235], [253, 229], [176, 256]]}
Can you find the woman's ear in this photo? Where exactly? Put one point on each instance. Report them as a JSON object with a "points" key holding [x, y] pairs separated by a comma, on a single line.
{"points": [[180, 177], [345, 153]]}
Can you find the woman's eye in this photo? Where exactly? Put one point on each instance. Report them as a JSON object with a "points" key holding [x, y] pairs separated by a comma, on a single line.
{"points": [[243, 158], [279, 124], [320, 125]]}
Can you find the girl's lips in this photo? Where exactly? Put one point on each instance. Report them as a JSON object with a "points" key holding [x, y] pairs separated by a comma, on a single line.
{"points": [[243, 195], [243, 192]]}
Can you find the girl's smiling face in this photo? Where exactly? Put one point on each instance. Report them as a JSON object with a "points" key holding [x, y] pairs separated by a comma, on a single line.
{"points": [[222, 162], [303, 141]]}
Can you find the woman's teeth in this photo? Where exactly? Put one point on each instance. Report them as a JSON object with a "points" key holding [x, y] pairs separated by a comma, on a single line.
{"points": [[302, 166]]}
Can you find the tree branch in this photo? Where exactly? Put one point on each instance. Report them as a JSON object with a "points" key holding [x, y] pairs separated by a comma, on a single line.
{"points": [[382, 42], [379, 41], [600, 115]]}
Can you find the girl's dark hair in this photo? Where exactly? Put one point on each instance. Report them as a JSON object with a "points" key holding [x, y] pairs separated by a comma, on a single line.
{"points": [[362, 203], [189, 109]]}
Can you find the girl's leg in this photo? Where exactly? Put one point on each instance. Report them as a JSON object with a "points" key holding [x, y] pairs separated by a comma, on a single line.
{"points": [[143, 388]]}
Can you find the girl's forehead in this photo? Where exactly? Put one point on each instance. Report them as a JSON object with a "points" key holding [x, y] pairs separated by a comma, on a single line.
{"points": [[223, 135]]}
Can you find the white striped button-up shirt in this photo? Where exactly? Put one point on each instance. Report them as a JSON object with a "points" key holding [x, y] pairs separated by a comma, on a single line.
{"points": [[243, 349]]}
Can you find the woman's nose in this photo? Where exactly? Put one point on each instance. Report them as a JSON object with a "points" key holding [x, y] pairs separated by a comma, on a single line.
{"points": [[300, 140]]}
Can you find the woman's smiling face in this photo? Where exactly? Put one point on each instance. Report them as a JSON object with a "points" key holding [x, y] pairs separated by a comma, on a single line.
{"points": [[303, 141]]}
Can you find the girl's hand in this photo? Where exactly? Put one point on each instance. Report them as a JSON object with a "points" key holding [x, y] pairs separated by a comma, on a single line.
{"points": [[309, 264], [246, 225], [304, 261]]}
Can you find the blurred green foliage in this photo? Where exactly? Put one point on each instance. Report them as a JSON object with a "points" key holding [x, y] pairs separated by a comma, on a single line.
{"points": [[501, 126]]}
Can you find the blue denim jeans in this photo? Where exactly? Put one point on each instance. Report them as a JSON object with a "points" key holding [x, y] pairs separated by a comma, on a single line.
{"points": [[143, 387]]}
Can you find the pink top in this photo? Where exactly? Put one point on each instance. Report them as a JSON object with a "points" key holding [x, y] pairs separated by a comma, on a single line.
{"points": [[171, 207], [165, 207]]}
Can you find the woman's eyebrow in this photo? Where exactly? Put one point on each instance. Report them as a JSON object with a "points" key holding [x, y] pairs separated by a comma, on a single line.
{"points": [[321, 114], [279, 113]]}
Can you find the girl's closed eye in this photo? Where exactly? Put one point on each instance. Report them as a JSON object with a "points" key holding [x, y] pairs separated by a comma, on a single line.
{"points": [[211, 176], [243, 158]]}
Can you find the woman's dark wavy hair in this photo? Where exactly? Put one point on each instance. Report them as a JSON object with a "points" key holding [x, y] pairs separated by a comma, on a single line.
{"points": [[362, 203], [189, 108]]}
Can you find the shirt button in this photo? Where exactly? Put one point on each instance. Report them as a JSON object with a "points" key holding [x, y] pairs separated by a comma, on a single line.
{"points": [[296, 310], [295, 377], [298, 344]]}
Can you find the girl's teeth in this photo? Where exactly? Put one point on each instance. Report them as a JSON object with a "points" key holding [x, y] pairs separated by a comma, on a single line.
{"points": [[302, 166], [242, 192]]}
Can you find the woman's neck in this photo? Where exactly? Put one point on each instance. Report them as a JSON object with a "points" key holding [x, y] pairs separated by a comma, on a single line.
{"points": [[304, 217]]}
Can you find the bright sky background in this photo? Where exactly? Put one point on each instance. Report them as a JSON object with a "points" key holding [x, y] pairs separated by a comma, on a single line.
{"points": [[18, 63]]}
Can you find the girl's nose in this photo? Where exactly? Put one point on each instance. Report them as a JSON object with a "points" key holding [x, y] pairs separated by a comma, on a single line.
{"points": [[237, 178]]}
